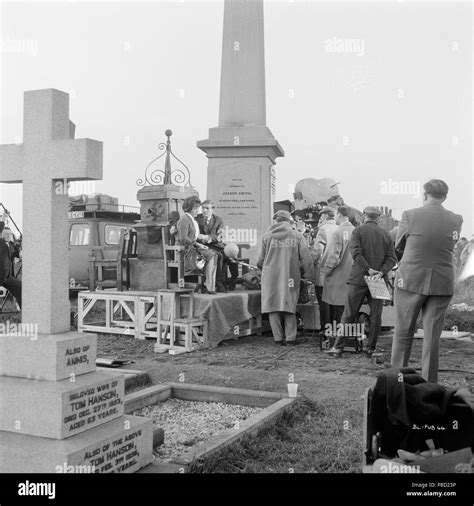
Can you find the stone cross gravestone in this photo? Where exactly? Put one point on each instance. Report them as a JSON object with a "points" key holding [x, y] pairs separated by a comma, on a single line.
{"points": [[241, 149], [48, 157], [56, 411]]}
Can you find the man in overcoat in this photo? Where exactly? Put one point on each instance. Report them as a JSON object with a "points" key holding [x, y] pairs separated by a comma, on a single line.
{"points": [[425, 276], [338, 267], [326, 228], [282, 253]]}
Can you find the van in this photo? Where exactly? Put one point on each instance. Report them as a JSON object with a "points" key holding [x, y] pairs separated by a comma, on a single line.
{"points": [[94, 236]]}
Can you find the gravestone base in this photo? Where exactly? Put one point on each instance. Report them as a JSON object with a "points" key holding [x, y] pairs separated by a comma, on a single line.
{"points": [[60, 409], [50, 357], [62, 425], [123, 445]]}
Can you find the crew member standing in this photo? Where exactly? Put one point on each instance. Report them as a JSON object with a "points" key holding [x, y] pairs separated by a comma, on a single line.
{"points": [[326, 228], [425, 276], [338, 267], [374, 255], [281, 253]]}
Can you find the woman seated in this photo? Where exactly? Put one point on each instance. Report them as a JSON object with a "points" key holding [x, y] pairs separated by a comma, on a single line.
{"points": [[188, 236]]}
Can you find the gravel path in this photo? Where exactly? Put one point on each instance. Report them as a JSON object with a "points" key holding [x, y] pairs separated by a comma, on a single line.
{"points": [[187, 423]]}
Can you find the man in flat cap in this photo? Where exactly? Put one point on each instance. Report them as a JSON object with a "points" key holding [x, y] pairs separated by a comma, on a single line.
{"points": [[326, 228], [425, 278], [373, 253], [356, 218], [282, 253]]}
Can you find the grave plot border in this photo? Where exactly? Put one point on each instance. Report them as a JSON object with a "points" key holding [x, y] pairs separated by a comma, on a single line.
{"points": [[273, 404]]}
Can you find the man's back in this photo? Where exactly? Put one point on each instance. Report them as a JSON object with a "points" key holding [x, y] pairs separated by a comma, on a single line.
{"points": [[425, 242], [372, 247]]}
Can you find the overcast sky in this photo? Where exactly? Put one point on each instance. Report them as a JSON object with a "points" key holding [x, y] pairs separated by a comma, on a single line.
{"points": [[370, 94]]}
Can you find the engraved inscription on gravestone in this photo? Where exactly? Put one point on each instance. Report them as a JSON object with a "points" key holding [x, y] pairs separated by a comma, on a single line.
{"points": [[77, 355], [119, 454], [92, 406]]}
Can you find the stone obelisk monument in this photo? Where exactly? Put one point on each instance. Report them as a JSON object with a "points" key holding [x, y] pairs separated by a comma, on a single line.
{"points": [[241, 149]]}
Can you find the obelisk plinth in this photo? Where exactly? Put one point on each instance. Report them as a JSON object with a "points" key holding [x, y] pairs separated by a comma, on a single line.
{"points": [[242, 149]]}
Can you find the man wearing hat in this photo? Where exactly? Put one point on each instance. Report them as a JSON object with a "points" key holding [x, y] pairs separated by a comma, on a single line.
{"points": [[356, 218], [326, 228], [373, 252], [281, 254]]}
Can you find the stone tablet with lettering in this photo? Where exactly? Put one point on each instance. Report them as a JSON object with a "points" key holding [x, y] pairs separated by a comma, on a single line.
{"points": [[123, 445], [60, 409], [52, 357]]}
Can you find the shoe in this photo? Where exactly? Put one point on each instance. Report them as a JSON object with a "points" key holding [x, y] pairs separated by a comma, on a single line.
{"points": [[220, 288], [334, 352], [282, 342], [204, 290], [292, 343]]}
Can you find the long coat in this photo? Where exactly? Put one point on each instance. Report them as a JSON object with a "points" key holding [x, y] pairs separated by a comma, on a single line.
{"points": [[425, 241], [320, 248], [281, 252], [338, 266]]}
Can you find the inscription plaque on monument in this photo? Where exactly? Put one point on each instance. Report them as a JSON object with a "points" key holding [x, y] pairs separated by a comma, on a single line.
{"points": [[242, 201]]}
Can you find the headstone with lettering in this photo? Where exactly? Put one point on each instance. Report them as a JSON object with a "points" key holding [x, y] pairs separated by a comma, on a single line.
{"points": [[241, 149], [56, 411]]}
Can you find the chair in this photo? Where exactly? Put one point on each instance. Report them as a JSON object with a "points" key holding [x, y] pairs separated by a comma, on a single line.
{"points": [[175, 268]]}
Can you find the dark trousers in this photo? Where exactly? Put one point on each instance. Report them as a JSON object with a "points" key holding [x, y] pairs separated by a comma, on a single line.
{"points": [[324, 314], [335, 313], [407, 308], [222, 263], [14, 285], [355, 299]]}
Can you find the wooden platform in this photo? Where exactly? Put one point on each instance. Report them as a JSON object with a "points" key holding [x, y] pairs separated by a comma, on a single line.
{"points": [[227, 315]]}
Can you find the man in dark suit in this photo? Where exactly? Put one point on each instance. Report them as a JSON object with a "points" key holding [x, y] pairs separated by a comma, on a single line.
{"points": [[7, 279], [373, 253], [425, 276], [211, 227]]}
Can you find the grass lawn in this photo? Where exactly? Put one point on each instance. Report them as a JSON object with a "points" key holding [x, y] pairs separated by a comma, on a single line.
{"points": [[323, 432]]}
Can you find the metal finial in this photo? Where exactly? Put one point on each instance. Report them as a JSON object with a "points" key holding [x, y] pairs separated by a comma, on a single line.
{"points": [[180, 176]]}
